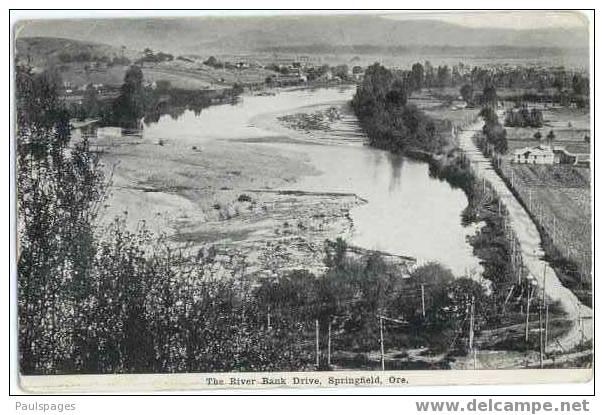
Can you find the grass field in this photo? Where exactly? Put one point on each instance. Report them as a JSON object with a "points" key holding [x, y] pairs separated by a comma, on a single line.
{"points": [[180, 75], [433, 104], [570, 126]]}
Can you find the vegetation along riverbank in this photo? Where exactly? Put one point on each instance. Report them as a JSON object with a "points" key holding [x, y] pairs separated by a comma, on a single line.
{"points": [[108, 299], [391, 122]]}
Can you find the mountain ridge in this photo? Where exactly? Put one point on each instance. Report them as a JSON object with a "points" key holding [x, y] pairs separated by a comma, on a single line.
{"points": [[248, 34]]}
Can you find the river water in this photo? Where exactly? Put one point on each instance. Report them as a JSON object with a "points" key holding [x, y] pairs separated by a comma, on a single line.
{"points": [[407, 211]]}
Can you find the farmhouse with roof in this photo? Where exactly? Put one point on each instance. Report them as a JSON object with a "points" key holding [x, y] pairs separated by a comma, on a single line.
{"points": [[543, 154]]}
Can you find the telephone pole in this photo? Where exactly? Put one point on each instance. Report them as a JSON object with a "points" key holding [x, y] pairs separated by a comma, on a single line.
{"points": [[540, 337], [472, 349], [546, 328], [544, 280], [529, 294], [423, 302], [329, 344], [317, 340], [471, 335], [268, 318], [382, 341]]}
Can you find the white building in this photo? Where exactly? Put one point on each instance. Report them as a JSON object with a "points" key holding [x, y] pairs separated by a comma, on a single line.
{"points": [[544, 154], [534, 155]]}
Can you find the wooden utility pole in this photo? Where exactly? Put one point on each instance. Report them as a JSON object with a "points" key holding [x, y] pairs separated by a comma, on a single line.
{"points": [[544, 281], [472, 349], [529, 294], [507, 298], [329, 344], [317, 340], [382, 341], [268, 318], [546, 328], [541, 337], [471, 335], [423, 302], [582, 329]]}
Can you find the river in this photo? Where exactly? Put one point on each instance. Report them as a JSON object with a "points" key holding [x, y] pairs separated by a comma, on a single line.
{"points": [[407, 211]]}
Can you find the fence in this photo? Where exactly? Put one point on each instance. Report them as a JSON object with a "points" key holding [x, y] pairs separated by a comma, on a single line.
{"points": [[566, 239]]}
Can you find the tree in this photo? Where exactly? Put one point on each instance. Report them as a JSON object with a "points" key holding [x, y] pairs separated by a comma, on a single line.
{"points": [[489, 115], [416, 78], [90, 102], [398, 93], [60, 187], [493, 130], [341, 71], [551, 136], [357, 69], [536, 118], [467, 93], [130, 105], [537, 136], [212, 61], [489, 95], [429, 77], [462, 292], [580, 85], [444, 76]]}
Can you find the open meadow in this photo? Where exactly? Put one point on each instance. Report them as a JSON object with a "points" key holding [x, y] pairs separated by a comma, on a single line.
{"points": [[570, 127]]}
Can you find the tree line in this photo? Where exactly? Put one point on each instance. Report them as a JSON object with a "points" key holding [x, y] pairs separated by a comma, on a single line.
{"points": [[137, 100], [380, 104], [524, 117], [526, 83]]}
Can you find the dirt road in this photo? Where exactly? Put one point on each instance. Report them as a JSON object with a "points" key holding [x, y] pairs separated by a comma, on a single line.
{"points": [[530, 244]]}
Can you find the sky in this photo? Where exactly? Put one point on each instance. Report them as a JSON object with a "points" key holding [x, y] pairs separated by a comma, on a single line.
{"points": [[502, 19], [526, 19]]}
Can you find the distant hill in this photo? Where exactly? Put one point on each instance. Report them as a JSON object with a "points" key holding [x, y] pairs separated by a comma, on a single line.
{"points": [[246, 34], [41, 50]]}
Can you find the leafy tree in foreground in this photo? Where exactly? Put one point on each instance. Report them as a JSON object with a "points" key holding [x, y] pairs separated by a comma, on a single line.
{"points": [[59, 189]]}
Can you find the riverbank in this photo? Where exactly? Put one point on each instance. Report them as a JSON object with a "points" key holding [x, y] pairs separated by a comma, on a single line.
{"points": [[234, 187], [392, 124]]}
